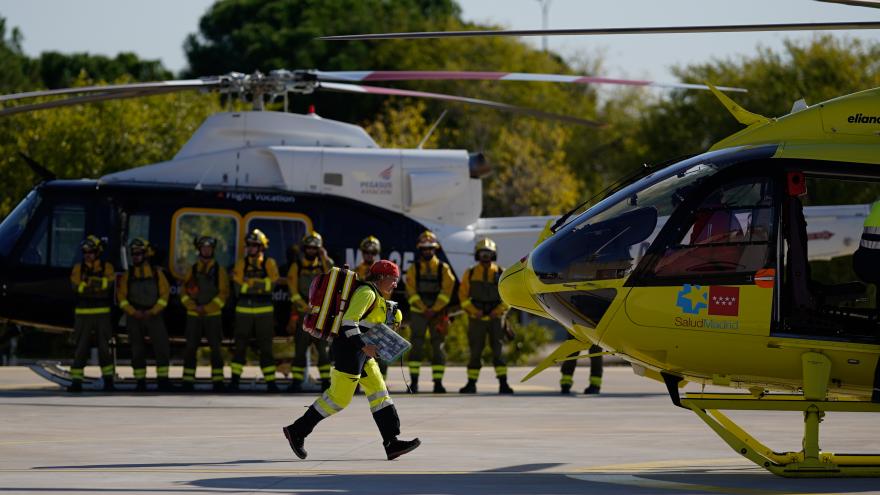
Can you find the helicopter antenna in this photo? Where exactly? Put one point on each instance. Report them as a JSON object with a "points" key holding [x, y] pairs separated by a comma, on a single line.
{"points": [[37, 168], [431, 130]]}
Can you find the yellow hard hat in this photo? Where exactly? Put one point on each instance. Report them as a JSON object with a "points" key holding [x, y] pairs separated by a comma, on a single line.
{"points": [[256, 236], [313, 239], [428, 239], [485, 244], [371, 243], [92, 243], [139, 244]]}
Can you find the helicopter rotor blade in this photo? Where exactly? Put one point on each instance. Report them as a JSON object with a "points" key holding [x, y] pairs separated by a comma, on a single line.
{"points": [[357, 88], [731, 28], [160, 86], [874, 4], [416, 75], [79, 100]]}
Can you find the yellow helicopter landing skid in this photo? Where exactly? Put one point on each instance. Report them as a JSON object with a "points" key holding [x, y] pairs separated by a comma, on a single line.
{"points": [[810, 462]]}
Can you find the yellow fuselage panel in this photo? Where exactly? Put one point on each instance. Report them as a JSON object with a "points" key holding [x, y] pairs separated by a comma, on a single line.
{"points": [[848, 120]]}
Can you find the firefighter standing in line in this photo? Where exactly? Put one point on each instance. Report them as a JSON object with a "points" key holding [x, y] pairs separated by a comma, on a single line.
{"points": [[312, 261], [254, 276], [370, 248], [92, 280], [143, 295], [205, 290], [429, 286], [568, 368], [479, 296], [356, 364]]}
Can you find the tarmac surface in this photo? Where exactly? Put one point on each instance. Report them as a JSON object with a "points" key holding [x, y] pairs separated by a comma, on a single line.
{"points": [[630, 439]]}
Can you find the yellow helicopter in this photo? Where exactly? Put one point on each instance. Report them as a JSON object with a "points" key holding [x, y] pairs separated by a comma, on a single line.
{"points": [[700, 271]]}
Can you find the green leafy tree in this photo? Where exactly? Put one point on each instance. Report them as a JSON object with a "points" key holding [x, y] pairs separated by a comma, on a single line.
{"points": [[16, 70], [93, 140], [59, 70]]}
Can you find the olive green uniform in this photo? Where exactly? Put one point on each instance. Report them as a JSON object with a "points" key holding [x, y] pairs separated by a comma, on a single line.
{"points": [[211, 288], [93, 285]]}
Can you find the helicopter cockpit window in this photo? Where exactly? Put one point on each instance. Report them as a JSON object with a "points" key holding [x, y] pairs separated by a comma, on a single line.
{"points": [[607, 241], [189, 225], [729, 233], [68, 230], [17, 220]]}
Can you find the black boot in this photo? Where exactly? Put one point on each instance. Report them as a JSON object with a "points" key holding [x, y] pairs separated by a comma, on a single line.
{"points": [[396, 448], [438, 387], [296, 386], [565, 389], [141, 385], [188, 386], [325, 384], [272, 387], [164, 384], [218, 387], [108, 383], [503, 387], [414, 384], [75, 386], [592, 390], [470, 388], [233, 384], [297, 442]]}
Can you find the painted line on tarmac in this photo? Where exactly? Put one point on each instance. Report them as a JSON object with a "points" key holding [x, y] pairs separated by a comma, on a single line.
{"points": [[289, 472], [676, 486], [677, 465]]}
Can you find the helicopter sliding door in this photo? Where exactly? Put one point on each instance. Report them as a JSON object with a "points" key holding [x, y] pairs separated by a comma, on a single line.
{"points": [[709, 276], [827, 292]]}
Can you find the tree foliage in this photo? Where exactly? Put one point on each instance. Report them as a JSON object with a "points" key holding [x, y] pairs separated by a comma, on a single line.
{"points": [[93, 140]]}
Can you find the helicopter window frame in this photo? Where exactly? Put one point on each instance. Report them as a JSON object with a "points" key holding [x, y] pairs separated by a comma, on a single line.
{"points": [[845, 323], [681, 222], [16, 222], [61, 242], [279, 216], [211, 212]]}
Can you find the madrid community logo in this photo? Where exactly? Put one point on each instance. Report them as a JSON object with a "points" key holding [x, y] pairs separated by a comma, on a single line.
{"points": [[713, 300]]}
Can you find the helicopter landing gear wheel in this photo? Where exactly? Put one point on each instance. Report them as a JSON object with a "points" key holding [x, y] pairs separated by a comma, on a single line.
{"points": [[810, 462]]}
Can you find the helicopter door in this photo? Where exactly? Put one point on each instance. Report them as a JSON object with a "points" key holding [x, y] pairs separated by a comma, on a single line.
{"points": [[712, 268], [825, 291]]}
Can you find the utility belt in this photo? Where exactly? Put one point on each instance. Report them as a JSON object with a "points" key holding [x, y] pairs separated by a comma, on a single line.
{"points": [[255, 300], [485, 306]]}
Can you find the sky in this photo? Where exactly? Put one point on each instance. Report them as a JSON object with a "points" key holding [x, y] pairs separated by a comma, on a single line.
{"points": [[156, 29]]}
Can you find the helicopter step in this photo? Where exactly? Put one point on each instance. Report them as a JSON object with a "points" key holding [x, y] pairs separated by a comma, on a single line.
{"points": [[810, 462], [55, 373]]}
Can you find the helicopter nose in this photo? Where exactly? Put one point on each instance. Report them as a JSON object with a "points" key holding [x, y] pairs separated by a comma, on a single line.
{"points": [[514, 288]]}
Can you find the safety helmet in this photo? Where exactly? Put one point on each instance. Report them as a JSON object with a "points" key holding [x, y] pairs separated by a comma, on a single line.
{"points": [[140, 245], [428, 239], [312, 239], [385, 268], [204, 240], [371, 243], [256, 236], [92, 243], [485, 244]]}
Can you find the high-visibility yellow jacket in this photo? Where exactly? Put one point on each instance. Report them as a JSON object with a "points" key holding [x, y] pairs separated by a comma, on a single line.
{"points": [[93, 284], [254, 278], [206, 284], [143, 288], [478, 291], [429, 285]]}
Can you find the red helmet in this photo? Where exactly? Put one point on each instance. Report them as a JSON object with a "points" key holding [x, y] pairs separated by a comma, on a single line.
{"points": [[386, 268]]}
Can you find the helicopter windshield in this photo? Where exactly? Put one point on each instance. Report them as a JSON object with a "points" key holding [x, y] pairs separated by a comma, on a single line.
{"points": [[606, 241], [15, 223]]}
